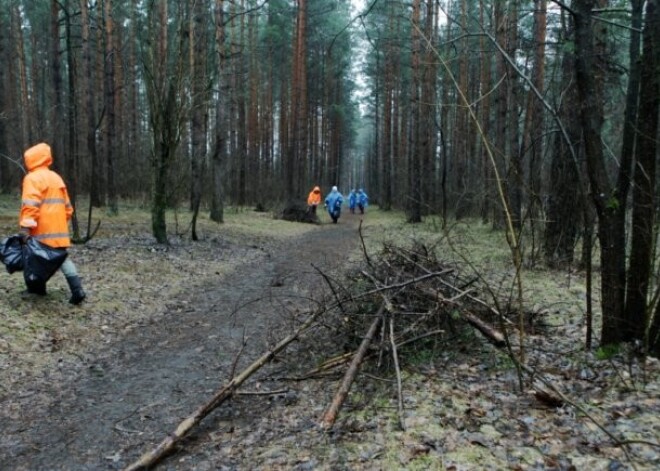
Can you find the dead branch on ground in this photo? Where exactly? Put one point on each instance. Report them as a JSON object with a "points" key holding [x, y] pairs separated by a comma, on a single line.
{"points": [[224, 393], [330, 415]]}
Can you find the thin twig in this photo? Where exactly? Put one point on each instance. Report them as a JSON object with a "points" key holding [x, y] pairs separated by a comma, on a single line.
{"points": [[397, 369]]}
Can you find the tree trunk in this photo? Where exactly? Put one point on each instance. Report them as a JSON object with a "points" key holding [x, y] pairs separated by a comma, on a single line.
{"points": [[218, 158], [532, 138], [643, 211], [610, 208], [253, 134], [199, 115], [111, 147], [164, 95], [298, 108], [515, 170], [484, 117], [27, 116], [501, 106], [89, 121], [562, 213], [5, 182], [57, 111], [462, 196], [387, 146], [415, 148]]}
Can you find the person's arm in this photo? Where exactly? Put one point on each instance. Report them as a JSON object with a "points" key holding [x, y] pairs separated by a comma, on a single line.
{"points": [[68, 205], [30, 205]]}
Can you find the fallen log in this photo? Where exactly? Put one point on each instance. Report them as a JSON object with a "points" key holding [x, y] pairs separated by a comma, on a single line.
{"points": [[152, 457], [330, 415]]}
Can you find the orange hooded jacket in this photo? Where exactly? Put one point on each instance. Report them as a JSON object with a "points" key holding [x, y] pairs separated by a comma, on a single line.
{"points": [[314, 197], [45, 205]]}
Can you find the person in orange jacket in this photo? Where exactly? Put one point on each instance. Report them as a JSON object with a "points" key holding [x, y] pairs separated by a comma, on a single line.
{"points": [[314, 199], [45, 213]]}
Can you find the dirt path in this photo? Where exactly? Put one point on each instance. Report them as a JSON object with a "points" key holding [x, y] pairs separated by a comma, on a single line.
{"points": [[105, 415]]}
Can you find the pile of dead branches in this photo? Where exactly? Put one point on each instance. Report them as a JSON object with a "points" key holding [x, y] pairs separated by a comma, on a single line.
{"points": [[403, 297], [421, 295]]}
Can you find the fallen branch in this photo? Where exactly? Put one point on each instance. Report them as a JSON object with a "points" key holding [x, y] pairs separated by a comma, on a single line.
{"points": [[152, 457], [397, 369], [262, 393], [493, 335], [323, 367], [330, 415]]}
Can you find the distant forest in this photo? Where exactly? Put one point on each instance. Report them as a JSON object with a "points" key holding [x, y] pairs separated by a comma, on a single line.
{"points": [[539, 117]]}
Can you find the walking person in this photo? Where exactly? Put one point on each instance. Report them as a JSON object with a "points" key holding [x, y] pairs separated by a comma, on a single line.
{"points": [[314, 199], [352, 201], [362, 200], [333, 204], [45, 214]]}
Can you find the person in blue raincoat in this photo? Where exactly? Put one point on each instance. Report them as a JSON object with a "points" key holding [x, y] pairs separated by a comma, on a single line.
{"points": [[333, 203], [352, 201], [362, 200]]}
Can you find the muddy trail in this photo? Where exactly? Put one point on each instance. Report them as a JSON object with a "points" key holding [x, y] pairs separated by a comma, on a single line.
{"points": [[105, 412]]}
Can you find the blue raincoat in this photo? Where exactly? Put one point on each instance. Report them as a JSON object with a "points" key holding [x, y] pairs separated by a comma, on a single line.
{"points": [[333, 203]]}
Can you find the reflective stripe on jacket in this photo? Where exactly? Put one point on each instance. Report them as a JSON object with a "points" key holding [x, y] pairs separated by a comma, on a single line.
{"points": [[45, 205]]}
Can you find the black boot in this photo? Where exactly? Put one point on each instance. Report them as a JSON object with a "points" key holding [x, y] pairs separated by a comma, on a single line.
{"points": [[77, 292]]}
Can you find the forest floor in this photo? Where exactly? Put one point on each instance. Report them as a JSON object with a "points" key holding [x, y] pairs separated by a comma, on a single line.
{"points": [[95, 386]]}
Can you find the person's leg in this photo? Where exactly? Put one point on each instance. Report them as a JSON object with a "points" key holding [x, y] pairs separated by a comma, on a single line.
{"points": [[71, 274], [68, 268]]}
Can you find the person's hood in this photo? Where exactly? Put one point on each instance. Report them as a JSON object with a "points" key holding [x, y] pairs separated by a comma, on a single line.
{"points": [[334, 188], [38, 156]]}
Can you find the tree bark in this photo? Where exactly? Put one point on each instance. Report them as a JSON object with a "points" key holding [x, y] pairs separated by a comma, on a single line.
{"points": [[199, 114], [609, 206], [109, 89], [5, 182], [533, 134], [89, 120], [415, 147], [563, 217], [219, 152], [643, 210]]}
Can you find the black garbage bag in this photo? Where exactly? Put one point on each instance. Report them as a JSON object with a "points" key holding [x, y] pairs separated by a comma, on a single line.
{"points": [[11, 253], [40, 262]]}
